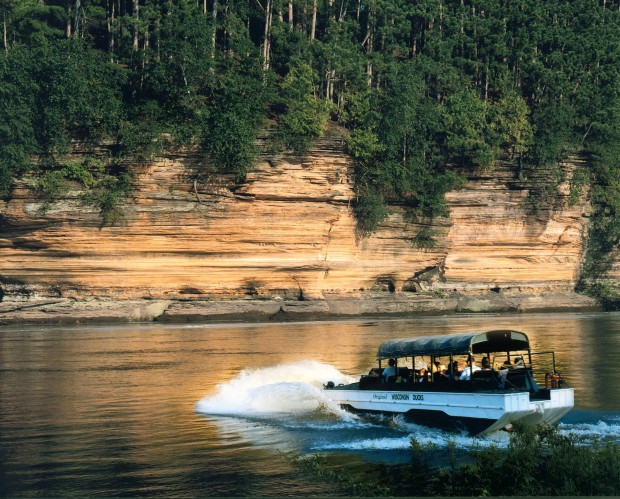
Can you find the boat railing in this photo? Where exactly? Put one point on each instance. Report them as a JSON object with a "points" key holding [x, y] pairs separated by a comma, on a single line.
{"points": [[544, 370], [537, 373]]}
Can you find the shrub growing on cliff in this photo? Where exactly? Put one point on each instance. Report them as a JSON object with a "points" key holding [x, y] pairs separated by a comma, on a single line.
{"points": [[370, 210], [399, 154], [100, 188], [18, 141], [54, 183], [52, 94], [604, 234], [425, 238], [234, 114], [470, 139], [108, 195], [305, 117]]}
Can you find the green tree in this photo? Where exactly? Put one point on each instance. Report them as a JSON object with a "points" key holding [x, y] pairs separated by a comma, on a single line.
{"points": [[512, 122], [18, 90], [469, 135], [235, 113], [305, 117], [50, 95]]}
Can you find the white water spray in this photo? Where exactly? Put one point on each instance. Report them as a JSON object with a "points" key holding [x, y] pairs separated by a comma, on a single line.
{"points": [[294, 389], [606, 430]]}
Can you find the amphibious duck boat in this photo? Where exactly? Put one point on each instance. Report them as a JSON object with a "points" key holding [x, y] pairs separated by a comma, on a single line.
{"points": [[517, 384]]}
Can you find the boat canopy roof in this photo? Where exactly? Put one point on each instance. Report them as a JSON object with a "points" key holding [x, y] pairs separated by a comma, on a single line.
{"points": [[501, 340]]}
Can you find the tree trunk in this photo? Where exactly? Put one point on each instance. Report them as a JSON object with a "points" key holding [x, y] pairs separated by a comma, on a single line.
{"points": [[369, 47], [145, 46], [111, 16], [68, 25], [290, 16], [328, 82], [343, 10], [76, 28], [440, 17], [226, 37], [313, 29], [4, 33], [204, 7], [157, 39], [486, 82], [302, 12], [213, 36], [119, 31], [266, 43], [136, 14]]}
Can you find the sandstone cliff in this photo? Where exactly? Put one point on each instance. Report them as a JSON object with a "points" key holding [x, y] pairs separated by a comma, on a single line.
{"points": [[284, 241]]}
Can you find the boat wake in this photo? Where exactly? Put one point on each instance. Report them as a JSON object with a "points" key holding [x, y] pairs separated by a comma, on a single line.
{"points": [[398, 435], [285, 389], [608, 429]]}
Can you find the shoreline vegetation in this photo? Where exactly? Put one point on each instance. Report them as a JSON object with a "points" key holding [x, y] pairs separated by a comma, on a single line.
{"points": [[95, 310], [538, 461], [429, 93]]}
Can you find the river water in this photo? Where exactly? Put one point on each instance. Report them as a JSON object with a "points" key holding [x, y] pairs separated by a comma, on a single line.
{"points": [[220, 410]]}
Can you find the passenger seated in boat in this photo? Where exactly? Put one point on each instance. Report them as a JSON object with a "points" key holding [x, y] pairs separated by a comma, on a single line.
{"points": [[503, 373], [471, 368], [440, 373], [485, 379], [486, 364], [455, 372], [521, 377], [422, 376], [390, 370]]}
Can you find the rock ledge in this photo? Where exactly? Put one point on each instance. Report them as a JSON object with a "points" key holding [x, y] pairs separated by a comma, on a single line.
{"points": [[67, 311]]}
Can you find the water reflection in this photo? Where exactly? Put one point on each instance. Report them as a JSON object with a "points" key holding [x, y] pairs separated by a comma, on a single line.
{"points": [[112, 410]]}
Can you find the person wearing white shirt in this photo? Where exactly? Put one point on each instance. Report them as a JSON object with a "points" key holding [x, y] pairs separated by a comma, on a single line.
{"points": [[390, 370], [471, 368]]}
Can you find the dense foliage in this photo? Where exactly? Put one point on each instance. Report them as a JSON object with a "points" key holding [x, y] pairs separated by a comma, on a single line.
{"points": [[429, 90], [539, 461]]}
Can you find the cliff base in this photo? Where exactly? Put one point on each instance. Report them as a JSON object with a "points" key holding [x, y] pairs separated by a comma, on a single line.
{"points": [[67, 311]]}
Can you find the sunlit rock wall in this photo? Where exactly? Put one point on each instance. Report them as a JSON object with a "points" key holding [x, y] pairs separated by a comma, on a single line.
{"points": [[502, 236], [287, 232]]}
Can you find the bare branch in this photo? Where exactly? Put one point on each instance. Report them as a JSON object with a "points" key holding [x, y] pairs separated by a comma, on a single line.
{"points": [[260, 5]]}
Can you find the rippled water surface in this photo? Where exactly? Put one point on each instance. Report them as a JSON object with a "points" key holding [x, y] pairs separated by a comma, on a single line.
{"points": [[219, 410]]}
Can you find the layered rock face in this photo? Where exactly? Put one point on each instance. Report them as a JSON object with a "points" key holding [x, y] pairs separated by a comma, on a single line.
{"points": [[287, 233]]}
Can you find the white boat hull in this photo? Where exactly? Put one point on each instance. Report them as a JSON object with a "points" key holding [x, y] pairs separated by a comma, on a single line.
{"points": [[479, 412]]}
